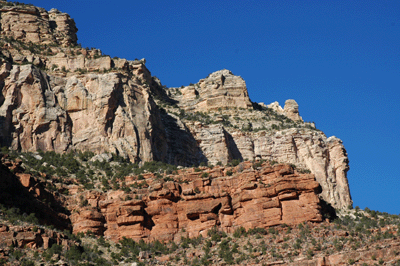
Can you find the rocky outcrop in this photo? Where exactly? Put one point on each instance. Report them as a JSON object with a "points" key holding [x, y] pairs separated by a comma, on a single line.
{"points": [[114, 112], [221, 89], [30, 117], [188, 204], [223, 197], [29, 195], [290, 110], [33, 24], [31, 237], [97, 112], [308, 149], [69, 98]]}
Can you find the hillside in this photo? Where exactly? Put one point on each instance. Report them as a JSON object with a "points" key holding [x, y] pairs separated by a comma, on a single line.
{"points": [[96, 146], [181, 214], [57, 96]]}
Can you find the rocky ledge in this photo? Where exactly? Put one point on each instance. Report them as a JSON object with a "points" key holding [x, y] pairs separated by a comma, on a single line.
{"points": [[57, 96], [28, 23], [226, 198], [167, 207]]}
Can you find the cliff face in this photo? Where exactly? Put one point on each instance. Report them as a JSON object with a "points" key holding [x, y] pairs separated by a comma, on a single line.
{"points": [[57, 96], [33, 24], [98, 112], [171, 210], [197, 200], [220, 89], [260, 132]]}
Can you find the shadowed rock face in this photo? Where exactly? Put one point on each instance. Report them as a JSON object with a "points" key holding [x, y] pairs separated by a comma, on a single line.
{"points": [[29, 195], [72, 105]]}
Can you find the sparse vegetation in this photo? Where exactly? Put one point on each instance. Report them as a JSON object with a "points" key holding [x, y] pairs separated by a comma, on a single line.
{"points": [[71, 174], [255, 245]]}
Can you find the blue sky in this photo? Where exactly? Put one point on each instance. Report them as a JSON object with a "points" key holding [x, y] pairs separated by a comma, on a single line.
{"points": [[338, 59]]}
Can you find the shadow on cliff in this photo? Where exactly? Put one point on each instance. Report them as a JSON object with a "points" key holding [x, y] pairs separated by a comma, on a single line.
{"points": [[183, 148], [233, 149], [328, 212], [13, 194]]}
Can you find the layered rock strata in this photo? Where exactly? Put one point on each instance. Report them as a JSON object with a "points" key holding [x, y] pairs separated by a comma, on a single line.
{"points": [[308, 149], [220, 89], [31, 237], [108, 112], [34, 24], [69, 98], [271, 195]]}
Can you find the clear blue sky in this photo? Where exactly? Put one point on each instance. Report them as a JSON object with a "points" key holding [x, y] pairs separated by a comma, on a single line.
{"points": [[340, 60]]}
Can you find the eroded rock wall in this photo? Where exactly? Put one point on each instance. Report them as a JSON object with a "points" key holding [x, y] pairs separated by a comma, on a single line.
{"points": [[34, 24], [170, 210], [220, 89], [108, 112], [308, 149], [72, 98]]}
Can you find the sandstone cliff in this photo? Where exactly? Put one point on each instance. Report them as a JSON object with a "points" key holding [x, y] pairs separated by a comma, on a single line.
{"points": [[59, 96], [185, 204], [28, 23], [273, 133], [201, 202]]}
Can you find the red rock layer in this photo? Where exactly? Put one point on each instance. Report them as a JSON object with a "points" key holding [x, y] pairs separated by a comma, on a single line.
{"points": [[171, 210]]}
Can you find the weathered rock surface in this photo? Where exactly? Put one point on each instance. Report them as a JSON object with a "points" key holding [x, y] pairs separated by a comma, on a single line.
{"points": [[86, 101], [272, 195], [190, 204], [221, 89], [98, 112], [28, 194], [33, 24], [31, 237], [325, 157], [291, 110]]}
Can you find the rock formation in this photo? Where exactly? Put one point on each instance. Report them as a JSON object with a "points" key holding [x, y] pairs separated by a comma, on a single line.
{"points": [[193, 202], [58, 96], [221, 89], [98, 112], [33, 24], [31, 237], [201, 200], [290, 110]]}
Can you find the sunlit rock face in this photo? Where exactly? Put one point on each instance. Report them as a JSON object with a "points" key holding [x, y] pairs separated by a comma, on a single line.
{"points": [[221, 89], [170, 210], [36, 25], [68, 98]]}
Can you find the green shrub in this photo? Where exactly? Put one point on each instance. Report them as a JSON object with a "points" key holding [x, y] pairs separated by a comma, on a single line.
{"points": [[215, 234], [257, 230], [74, 254], [241, 231], [27, 262], [225, 251], [205, 175], [310, 254]]}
